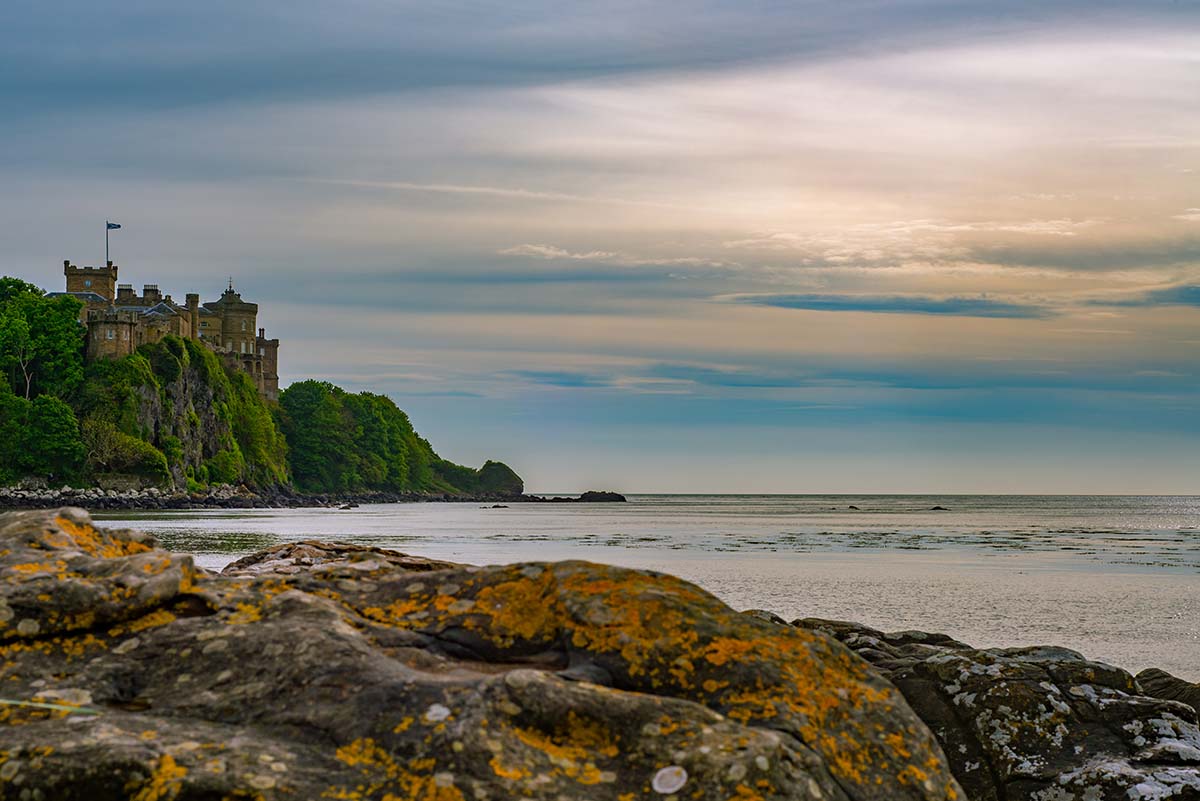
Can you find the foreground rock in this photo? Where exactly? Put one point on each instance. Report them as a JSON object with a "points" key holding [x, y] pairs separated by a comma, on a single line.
{"points": [[1042, 724], [314, 671]]}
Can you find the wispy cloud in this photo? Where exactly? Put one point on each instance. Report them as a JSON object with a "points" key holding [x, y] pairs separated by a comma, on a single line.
{"points": [[505, 192], [899, 304], [553, 253], [1183, 295]]}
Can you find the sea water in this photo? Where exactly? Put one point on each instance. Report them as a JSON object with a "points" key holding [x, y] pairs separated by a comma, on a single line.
{"points": [[1115, 578]]}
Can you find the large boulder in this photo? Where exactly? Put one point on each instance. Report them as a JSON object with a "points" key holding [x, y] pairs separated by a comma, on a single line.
{"points": [[1036, 724], [307, 674]]}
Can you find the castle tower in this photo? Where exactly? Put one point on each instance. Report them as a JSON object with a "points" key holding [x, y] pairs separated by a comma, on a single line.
{"points": [[238, 320], [100, 280], [268, 351]]}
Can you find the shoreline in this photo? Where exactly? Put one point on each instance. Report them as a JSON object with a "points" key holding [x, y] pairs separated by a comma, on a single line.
{"points": [[229, 497]]}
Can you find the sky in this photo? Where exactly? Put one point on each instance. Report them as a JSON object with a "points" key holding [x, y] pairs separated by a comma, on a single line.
{"points": [[661, 246]]}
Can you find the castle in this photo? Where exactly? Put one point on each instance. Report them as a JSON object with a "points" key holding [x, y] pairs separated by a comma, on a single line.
{"points": [[117, 321]]}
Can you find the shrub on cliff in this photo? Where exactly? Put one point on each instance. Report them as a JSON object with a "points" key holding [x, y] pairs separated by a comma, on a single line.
{"points": [[110, 450]]}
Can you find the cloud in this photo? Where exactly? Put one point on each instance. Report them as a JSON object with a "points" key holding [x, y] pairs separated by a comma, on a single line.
{"points": [[1183, 295], [505, 192], [899, 304], [226, 51], [553, 252], [562, 378], [1188, 215]]}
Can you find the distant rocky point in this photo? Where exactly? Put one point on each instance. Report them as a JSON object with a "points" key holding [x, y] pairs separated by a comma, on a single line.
{"points": [[591, 496]]}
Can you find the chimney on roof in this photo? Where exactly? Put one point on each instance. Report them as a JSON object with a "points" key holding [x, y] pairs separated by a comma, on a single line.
{"points": [[193, 307]]}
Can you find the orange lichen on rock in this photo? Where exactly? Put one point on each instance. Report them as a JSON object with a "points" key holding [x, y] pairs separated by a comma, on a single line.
{"points": [[512, 773], [245, 613], [91, 541], [384, 778], [163, 783], [571, 757], [159, 617]]}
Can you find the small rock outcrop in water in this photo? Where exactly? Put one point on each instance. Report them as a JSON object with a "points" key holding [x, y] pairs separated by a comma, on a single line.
{"points": [[1038, 724], [324, 671], [591, 496]]}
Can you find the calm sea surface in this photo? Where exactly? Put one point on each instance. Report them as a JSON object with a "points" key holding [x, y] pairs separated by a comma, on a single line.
{"points": [[1117, 578]]}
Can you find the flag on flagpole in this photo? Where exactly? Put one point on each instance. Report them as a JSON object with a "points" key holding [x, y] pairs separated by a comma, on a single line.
{"points": [[112, 226]]}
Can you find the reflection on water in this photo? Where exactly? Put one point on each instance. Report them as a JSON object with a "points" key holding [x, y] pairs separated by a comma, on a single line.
{"points": [[224, 543], [1113, 577]]}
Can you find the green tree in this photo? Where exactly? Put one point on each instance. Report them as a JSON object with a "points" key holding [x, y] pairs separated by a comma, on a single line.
{"points": [[14, 287], [14, 419], [52, 440], [41, 340]]}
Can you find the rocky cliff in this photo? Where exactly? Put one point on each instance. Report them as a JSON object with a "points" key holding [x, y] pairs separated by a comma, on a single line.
{"points": [[206, 423]]}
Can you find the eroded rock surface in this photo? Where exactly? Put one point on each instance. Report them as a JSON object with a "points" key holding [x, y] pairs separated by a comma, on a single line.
{"points": [[127, 674], [310, 555], [1036, 724], [1161, 684]]}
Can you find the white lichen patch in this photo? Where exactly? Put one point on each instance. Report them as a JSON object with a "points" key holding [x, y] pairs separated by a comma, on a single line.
{"points": [[436, 713], [670, 779]]}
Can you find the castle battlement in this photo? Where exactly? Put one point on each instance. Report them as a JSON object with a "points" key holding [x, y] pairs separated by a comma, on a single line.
{"points": [[118, 320]]}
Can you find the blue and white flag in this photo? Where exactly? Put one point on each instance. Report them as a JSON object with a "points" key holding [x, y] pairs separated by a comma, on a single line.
{"points": [[112, 226]]}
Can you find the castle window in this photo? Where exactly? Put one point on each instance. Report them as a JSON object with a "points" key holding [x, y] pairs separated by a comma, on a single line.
{"points": [[87, 283], [108, 333], [243, 325]]}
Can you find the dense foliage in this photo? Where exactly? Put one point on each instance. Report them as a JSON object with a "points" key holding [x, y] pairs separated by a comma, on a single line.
{"points": [[41, 340], [200, 422], [343, 442], [173, 414]]}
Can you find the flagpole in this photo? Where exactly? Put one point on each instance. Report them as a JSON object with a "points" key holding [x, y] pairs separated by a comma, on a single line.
{"points": [[106, 243]]}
